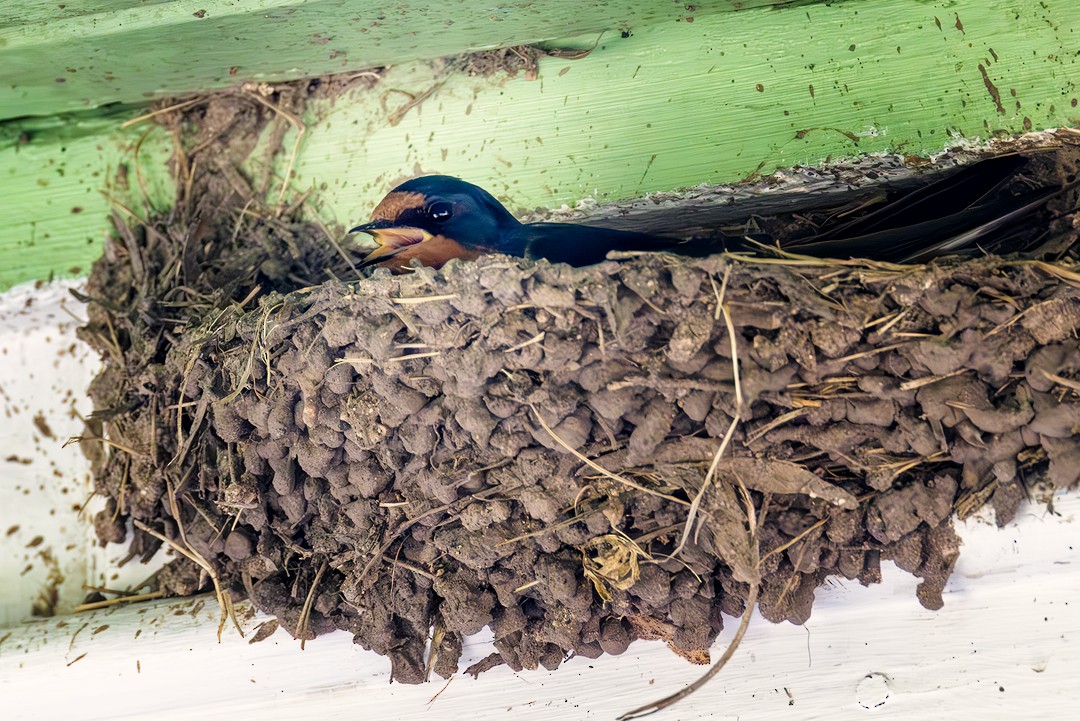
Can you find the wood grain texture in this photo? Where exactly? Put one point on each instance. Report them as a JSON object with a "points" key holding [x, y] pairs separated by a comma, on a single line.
{"points": [[52, 174], [62, 57], [714, 101]]}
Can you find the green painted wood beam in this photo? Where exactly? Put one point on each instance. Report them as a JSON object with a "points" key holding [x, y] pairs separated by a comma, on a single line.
{"points": [[52, 172], [673, 105], [680, 104], [64, 57]]}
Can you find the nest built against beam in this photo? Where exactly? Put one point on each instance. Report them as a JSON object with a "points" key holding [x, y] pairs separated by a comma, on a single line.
{"points": [[576, 458]]}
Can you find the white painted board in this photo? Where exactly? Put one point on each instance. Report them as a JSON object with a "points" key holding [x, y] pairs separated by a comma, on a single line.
{"points": [[46, 537]]}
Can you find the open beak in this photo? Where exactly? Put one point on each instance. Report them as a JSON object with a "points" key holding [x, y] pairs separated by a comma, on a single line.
{"points": [[399, 245], [392, 239], [392, 236]]}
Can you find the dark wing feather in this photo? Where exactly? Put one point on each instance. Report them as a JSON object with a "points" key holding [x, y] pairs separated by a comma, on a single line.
{"points": [[942, 218], [585, 245], [960, 189], [947, 216]]}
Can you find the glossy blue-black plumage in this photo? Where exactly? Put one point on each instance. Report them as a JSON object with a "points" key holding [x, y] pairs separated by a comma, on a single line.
{"points": [[948, 215], [480, 223], [477, 219]]}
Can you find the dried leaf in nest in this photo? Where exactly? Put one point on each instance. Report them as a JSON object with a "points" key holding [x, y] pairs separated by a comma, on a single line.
{"points": [[611, 561], [770, 475], [725, 520]]}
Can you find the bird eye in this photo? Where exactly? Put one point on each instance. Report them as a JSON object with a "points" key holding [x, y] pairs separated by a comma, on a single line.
{"points": [[440, 211]]}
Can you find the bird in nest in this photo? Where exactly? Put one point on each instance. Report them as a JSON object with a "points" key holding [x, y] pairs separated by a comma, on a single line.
{"points": [[435, 218]]}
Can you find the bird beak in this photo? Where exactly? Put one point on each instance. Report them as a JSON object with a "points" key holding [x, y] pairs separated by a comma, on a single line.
{"points": [[389, 235]]}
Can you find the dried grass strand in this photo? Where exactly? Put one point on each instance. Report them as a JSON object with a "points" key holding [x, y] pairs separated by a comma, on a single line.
{"points": [[600, 469]]}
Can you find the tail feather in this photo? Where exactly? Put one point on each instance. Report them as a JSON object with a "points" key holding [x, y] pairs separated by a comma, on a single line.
{"points": [[942, 218], [920, 242], [966, 187], [967, 208]]}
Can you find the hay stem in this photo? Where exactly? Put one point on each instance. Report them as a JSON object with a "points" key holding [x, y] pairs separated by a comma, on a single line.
{"points": [[423, 299], [161, 111], [695, 505], [930, 380], [132, 598], [101, 439], [535, 339], [228, 612], [305, 612], [600, 469], [1061, 381], [783, 547], [775, 423]]}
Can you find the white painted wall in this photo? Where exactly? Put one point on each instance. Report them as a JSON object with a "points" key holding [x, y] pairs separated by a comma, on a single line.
{"points": [[44, 534], [1006, 645]]}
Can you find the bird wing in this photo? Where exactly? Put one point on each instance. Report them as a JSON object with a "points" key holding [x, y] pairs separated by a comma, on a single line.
{"points": [[944, 217], [584, 244]]}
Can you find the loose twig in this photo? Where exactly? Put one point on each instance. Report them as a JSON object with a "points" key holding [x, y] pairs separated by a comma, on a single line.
{"points": [[600, 469], [223, 598], [305, 612], [695, 505], [162, 111], [751, 602], [132, 598]]}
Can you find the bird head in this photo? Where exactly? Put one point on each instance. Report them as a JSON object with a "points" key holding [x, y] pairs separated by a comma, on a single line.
{"points": [[435, 218]]}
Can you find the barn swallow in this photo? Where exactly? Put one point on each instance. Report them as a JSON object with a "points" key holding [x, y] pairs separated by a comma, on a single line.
{"points": [[435, 218]]}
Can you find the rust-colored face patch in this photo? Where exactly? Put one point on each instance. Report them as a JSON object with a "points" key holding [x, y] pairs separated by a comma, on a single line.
{"points": [[395, 204], [433, 252]]}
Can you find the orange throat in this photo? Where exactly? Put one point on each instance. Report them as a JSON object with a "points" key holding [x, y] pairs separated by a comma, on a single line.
{"points": [[434, 251]]}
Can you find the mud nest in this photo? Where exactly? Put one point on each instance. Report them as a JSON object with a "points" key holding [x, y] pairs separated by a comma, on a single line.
{"points": [[535, 448]]}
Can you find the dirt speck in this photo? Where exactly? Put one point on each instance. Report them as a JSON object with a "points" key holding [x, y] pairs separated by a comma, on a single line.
{"points": [[42, 426]]}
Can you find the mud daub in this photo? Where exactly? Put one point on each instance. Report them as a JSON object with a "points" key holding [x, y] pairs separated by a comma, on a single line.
{"points": [[401, 457]]}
